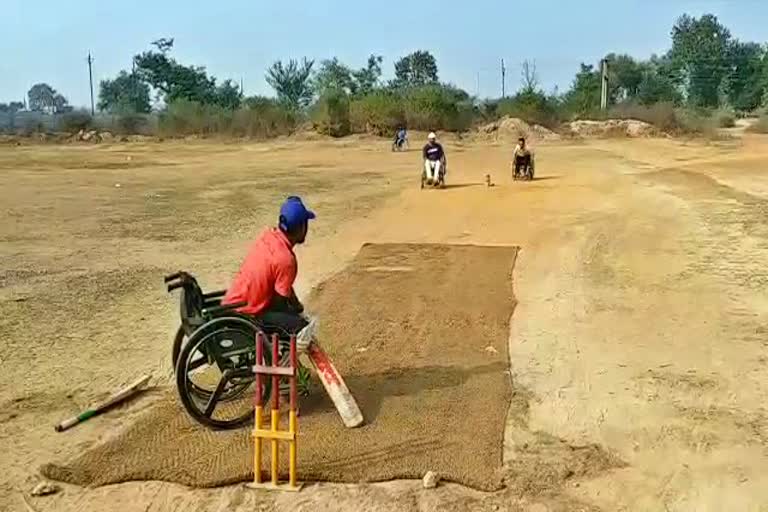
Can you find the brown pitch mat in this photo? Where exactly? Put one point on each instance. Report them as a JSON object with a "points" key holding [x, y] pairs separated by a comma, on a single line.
{"points": [[409, 327]]}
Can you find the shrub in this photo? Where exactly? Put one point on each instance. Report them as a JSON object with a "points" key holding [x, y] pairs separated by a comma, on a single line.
{"points": [[533, 107], [725, 119], [75, 121], [330, 114], [260, 117], [380, 113], [131, 123], [759, 126], [438, 107]]}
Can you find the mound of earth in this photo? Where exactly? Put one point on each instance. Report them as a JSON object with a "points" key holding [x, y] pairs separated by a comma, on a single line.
{"points": [[611, 127], [509, 129]]}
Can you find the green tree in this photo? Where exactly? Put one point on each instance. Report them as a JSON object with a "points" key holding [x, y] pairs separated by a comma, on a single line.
{"points": [[333, 75], [126, 93], [700, 51], [416, 69], [292, 82], [11, 108], [584, 95], [658, 84], [746, 84], [367, 78], [624, 77], [41, 98], [228, 95]]}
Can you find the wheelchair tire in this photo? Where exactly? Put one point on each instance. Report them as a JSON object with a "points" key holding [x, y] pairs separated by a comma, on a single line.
{"points": [[196, 403], [178, 342]]}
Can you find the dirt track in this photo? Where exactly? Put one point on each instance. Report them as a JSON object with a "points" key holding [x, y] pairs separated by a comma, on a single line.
{"points": [[640, 324]]}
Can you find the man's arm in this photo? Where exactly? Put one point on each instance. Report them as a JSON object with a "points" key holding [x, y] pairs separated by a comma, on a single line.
{"points": [[424, 152]]}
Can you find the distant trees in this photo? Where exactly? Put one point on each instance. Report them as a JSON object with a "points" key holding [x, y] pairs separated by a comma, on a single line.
{"points": [[416, 69], [291, 82], [44, 98], [125, 93]]}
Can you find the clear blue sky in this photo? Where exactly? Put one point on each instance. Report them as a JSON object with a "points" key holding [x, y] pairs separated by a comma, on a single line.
{"points": [[48, 40]]}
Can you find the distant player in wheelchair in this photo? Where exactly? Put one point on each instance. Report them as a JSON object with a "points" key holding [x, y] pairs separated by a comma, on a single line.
{"points": [[434, 162]]}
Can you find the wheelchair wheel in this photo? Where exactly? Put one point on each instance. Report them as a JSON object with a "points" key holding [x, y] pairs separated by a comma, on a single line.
{"points": [[178, 342], [214, 376]]}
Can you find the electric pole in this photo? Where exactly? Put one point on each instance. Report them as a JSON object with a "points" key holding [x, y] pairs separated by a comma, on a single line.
{"points": [[503, 80], [604, 82], [477, 92], [90, 80]]}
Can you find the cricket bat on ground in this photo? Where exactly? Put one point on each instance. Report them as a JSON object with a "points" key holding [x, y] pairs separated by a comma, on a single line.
{"points": [[335, 387], [113, 399]]}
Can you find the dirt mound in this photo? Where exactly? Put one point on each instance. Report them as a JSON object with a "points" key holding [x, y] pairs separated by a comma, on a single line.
{"points": [[612, 128], [509, 129], [425, 355]]}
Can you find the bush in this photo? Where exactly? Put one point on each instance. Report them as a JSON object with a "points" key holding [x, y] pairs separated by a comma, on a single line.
{"points": [[75, 121], [759, 126], [260, 117], [330, 114], [131, 123], [380, 113], [533, 107], [725, 119], [438, 107], [663, 116]]}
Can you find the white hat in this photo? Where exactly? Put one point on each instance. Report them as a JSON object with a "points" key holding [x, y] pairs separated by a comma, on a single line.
{"points": [[431, 136]]}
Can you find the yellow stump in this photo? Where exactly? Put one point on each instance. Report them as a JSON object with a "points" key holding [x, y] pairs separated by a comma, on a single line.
{"points": [[274, 434], [257, 445]]}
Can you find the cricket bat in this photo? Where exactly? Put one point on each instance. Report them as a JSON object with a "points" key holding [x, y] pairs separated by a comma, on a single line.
{"points": [[335, 387], [113, 399]]}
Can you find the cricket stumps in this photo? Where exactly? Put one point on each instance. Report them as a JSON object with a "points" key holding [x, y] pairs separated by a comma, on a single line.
{"points": [[274, 434]]}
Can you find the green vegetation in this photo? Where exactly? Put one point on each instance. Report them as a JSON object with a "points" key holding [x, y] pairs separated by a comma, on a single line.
{"points": [[705, 81]]}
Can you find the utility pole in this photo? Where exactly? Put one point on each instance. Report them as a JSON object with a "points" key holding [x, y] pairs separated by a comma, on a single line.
{"points": [[503, 80], [604, 82], [90, 79], [477, 91]]}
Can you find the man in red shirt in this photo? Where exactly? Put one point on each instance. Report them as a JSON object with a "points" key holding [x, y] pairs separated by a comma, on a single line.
{"points": [[265, 279]]}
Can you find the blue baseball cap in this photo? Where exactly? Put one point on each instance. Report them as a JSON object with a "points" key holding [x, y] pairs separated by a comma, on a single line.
{"points": [[293, 213]]}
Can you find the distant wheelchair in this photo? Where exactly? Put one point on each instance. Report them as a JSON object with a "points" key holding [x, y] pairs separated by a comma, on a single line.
{"points": [[214, 351], [440, 182]]}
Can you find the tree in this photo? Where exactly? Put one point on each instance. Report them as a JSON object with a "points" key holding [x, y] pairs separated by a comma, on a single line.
{"points": [[699, 54], [367, 78], [530, 78], [174, 80], [333, 75], [41, 97], [228, 95], [291, 82], [126, 93], [624, 77], [746, 83], [12, 107], [417, 69], [584, 96]]}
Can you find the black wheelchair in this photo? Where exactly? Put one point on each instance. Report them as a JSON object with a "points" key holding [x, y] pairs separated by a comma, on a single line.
{"points": [[214, 351]]}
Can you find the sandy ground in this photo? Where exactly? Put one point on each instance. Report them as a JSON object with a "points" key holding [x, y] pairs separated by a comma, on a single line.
{"points": [[639, 329]]}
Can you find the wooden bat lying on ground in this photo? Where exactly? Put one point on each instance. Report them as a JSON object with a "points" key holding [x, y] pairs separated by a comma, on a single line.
{"points": [[113, 399]]}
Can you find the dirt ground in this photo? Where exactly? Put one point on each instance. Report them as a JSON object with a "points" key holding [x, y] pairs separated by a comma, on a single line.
{"points": [[639, 331]]}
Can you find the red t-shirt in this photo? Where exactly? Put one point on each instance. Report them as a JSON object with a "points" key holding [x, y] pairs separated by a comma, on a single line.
{"points": [[269, 267]]}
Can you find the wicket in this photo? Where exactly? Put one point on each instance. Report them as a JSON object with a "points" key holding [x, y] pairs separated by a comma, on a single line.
{"points": [[274, 434]]}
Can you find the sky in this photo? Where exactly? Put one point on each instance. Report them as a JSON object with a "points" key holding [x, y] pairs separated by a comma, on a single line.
{"points": [[48, 40]]}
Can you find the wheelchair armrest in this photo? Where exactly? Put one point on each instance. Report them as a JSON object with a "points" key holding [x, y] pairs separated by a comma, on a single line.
{"points": [[213, 295], [225, 307]]}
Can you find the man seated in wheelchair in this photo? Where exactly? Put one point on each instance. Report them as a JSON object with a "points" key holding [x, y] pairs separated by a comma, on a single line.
{"points": [[522, 157], [434, 159], [267, 275], [401, 137]]}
